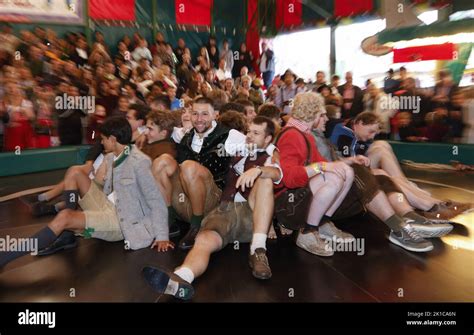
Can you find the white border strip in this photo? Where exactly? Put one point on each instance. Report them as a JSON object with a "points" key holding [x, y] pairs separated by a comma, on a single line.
{"points": [[440, 184], [25, 192]]}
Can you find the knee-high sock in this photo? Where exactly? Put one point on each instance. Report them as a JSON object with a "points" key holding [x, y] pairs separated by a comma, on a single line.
{"points": [[71, 197], [44, 237]]}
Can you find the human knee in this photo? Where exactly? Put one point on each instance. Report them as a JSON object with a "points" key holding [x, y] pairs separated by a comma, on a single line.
{"points": [[381, 145], [349, 173], [164, 163], [207, 239], [191, 170], [73, 172], [335, 181]]}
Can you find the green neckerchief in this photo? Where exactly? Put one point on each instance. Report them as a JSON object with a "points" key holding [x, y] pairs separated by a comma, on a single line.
{"points": [[123, 156]]}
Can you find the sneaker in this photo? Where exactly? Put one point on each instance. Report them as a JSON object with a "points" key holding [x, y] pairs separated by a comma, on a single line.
{"points": [[259, 264], [29, 199], [409, 239], [42, 209], [446, 210], [165, 282], [329, 231], [431, 229], [459, 207], [313, 243]]}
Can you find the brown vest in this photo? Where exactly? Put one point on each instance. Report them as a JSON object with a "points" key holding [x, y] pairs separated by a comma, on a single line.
{"points": [[232, 176]]}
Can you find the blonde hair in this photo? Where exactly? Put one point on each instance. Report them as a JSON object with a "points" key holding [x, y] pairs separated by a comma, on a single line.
{"points": [[307, 106]]}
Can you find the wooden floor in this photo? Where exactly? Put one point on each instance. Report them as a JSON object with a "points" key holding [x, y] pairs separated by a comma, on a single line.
{"points": [[104, 272]]}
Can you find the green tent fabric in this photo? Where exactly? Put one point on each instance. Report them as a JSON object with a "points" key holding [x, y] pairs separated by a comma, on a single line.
{"points": [[434, 29], [456, 67]]}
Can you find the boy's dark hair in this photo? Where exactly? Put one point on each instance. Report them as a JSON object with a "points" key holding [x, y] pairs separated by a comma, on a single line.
{"points": [[141, 111], [234, 120], [119, 127], [219, 98], [245, 103], [269, 110], [232, 106], [163, 119], [162, 99], [270, 125], [204, 100], [367, 118]]}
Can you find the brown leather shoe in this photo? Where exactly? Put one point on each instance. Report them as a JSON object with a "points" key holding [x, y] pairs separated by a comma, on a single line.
{"points": [[259, 264]]}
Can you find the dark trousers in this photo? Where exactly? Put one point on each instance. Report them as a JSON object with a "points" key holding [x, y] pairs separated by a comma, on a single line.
{"points": [[268, 78]]}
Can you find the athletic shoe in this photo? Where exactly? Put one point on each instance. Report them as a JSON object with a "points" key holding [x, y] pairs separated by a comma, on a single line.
{"points": [[313, 243], [29, 199], [165, 282], [409, 239], [431, 229], [259, 264], [329, 231], [41, 209]]}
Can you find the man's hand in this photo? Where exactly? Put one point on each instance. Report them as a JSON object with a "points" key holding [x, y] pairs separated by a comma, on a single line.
{"points": [[359, 159], [162, 245], [339, 168], [248, 178]]}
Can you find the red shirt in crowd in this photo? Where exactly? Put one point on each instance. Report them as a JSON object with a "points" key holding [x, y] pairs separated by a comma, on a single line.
{"points": [[294, 152]]}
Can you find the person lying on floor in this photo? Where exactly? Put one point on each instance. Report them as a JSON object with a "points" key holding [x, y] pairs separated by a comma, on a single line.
{"points": [[356, 137], [335, 191], [39, 204], [129, 206], [192, 183], [244, 215], [394, 194]]}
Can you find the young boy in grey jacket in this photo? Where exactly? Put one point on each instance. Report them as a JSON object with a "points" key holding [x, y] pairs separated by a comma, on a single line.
{"points": [[129, 206]]}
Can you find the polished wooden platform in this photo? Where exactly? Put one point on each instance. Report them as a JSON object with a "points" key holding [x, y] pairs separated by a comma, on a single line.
{"points": [[106, 272]]}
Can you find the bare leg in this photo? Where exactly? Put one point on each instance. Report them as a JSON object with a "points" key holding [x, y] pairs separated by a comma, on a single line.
{"points": [[326, 194], [68, 220], [261, 201], [415, 196], [380, 206], [381, 156], [399, 203], [197, 260], [163, 169], [76, 179], [194, 178], [58, 189]]}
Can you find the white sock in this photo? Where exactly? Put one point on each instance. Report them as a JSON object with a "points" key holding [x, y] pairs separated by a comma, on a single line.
{"points": [[258, 241], [185, 273]]}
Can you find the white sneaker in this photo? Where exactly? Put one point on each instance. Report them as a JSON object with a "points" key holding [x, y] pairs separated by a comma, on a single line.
{"points": [[329, 231], [313, 243]]}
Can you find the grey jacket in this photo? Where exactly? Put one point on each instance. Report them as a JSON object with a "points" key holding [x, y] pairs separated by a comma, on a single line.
{"points": [[141, 209]]}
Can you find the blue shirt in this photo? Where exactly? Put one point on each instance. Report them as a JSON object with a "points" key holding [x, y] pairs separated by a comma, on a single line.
{"points": [[175, 104], [346, 142]]}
